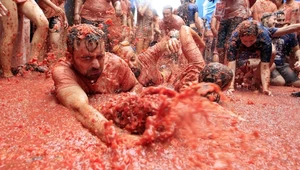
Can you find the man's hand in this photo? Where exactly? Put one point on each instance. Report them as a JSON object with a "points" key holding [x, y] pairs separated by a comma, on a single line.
{"points": [[3, 10], [172, 46], [267, 92], [297, 66], [60, 12], [230, 91], [77, 19], [66, 24]]}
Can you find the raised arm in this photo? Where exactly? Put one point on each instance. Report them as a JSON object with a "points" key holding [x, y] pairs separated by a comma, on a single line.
{"points": [[192, 44]]}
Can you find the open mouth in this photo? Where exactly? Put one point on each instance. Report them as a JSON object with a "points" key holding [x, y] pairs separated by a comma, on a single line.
{"points": [[136, 72]]}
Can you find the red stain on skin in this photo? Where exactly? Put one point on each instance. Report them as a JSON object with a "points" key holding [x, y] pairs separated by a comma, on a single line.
{"points": [[178, 131], [250, 102], [20, 55], [101, 26], [109, 22]]}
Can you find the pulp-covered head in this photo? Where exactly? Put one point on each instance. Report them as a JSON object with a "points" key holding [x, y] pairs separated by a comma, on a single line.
{"points": [[91, 35], [248, 32], [216, 73], [86, 50], [268, 20]]}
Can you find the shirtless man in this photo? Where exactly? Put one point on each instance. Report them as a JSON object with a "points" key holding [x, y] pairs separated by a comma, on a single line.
{"points": [[103, 13], [292, 11], [170, 21], [88, 69], [262, 6], [279, 4], [235, 12]]}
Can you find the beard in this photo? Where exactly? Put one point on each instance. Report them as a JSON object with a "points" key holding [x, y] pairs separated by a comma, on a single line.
{"points": [[93, 74]]}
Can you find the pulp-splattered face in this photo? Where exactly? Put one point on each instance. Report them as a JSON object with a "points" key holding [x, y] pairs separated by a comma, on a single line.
{"points": [[280, 20], [86, 49], [167, 13], [129, 56], [271, 22], [248, 41], [88, 58]]}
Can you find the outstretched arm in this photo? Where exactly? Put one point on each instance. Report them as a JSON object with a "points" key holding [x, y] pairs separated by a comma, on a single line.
{"points": [[286, 30], [76, 99]]}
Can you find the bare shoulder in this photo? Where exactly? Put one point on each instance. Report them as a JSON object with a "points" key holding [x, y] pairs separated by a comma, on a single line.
{"points": [[61, 67], [178, 18], [114, 60]]}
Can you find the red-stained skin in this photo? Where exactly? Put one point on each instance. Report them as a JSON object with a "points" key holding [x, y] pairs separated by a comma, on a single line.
{"points": [[182, 131], [37, 132]]}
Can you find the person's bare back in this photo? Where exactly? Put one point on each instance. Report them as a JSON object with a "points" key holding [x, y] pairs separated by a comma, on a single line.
{"points": [[95, 10], [236, 8]]}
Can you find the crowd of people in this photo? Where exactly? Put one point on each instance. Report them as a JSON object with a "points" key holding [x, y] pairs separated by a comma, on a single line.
{"points": [[108, 52]]}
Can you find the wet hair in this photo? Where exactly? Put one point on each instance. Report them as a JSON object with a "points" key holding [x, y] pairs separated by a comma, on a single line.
{"points": [[216, 73], [279, 12], [168, 7], [266, 16], [89, 33], [248, 28]]}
